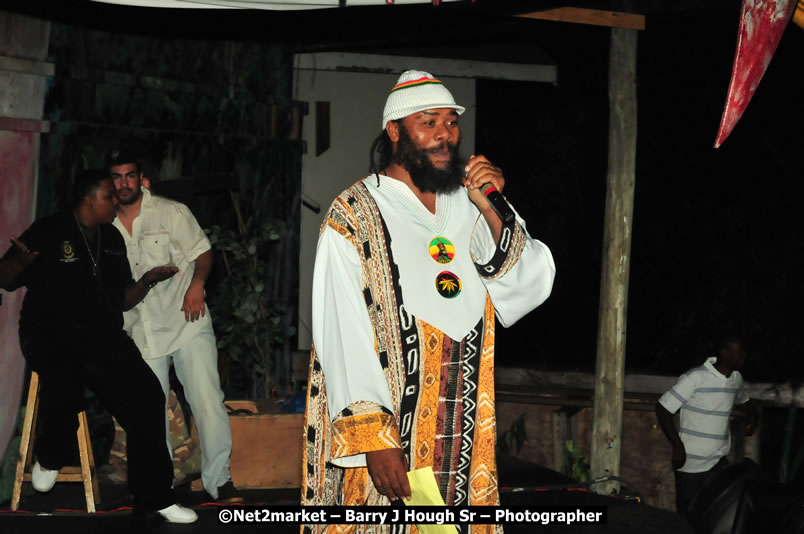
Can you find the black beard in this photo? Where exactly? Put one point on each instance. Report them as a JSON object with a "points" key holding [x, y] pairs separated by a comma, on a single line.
{"points": [[132, 199], [426, 176]]}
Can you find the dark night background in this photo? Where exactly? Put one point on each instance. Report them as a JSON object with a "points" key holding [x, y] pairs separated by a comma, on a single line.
{"points": [[716, 246], [716, 242]]}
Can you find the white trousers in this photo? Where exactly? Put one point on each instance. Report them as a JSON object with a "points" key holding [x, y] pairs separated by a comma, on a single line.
{"points": [[196, 367]]}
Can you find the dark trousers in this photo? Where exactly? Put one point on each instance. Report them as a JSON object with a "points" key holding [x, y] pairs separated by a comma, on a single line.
{"points": [[689, 484], [114, 370]]}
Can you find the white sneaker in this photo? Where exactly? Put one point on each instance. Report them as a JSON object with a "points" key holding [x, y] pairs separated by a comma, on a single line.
{"points": [[43, 479], [176, 513]]}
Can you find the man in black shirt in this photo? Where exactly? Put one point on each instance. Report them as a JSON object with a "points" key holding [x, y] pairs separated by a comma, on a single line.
{"points": [[75, 268]]}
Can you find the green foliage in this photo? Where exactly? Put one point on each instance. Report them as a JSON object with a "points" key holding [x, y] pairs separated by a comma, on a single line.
{"points": [[576, 464], [8, 466], [511, 440], [211, 119], [247, 322]]}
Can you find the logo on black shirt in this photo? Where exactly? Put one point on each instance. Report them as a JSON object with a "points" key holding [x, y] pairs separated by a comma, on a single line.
{"points": [[69, 252]]}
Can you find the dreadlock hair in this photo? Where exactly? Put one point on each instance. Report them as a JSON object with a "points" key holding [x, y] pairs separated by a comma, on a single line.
{"points": [[381, 148]]}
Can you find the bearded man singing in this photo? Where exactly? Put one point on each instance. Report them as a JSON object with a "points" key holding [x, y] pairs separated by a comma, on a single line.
{"points": [[411, 268]]}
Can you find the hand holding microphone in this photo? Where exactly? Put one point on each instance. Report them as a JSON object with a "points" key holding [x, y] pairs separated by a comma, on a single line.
{"points": [[498, 203], [484, 182]]}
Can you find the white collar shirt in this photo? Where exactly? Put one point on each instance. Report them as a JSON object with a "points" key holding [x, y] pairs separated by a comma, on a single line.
{"points": [[706, 398], [164, 232]]}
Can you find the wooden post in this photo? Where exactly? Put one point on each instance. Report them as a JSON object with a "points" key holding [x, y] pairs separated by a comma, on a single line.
{"points": [[559, 439], [610, 367]]}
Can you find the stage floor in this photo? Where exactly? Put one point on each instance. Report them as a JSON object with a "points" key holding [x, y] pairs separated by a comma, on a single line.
{"points": [[62, 510]]}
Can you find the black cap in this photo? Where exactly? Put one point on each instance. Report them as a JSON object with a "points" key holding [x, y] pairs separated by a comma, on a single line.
{"points": [[121, 156]]}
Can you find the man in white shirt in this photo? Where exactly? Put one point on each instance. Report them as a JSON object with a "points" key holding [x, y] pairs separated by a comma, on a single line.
{"points": [[413, 265], [172, 324], [706, 396]]}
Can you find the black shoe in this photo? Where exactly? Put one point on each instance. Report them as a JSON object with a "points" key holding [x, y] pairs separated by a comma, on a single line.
{"points": [[145, 517], [227, 494]]}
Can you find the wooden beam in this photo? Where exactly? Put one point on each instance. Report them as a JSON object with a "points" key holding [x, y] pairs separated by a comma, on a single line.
{"points": [[596, 17], [458, 68], [610, 363]]}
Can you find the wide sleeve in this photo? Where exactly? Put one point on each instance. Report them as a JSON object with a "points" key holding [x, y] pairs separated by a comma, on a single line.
{"points": [[518, 271], [359, 402]]}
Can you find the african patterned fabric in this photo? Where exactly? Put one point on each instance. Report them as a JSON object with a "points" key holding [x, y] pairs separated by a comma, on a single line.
{"points": [[403, 357]]}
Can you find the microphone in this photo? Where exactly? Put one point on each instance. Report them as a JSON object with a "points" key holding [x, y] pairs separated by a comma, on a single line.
{"points": [[498, 203]]}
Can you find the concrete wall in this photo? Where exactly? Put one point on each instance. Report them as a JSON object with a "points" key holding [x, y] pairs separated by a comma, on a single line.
{"points": [[645, 465], [23, 83]]}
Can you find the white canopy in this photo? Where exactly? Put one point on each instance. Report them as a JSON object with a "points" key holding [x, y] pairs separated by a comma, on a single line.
{"points": [[259, 4]]}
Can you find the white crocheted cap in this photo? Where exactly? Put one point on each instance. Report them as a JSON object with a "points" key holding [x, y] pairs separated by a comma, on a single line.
{"points": [[416, 91]]}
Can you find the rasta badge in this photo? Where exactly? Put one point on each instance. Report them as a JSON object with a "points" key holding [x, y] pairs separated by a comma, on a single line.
{"points": [[442, 250], [448, 284]]}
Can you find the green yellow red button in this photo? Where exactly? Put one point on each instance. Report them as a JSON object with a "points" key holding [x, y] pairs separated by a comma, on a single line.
{"points": [[442, 250], [448, 284]]}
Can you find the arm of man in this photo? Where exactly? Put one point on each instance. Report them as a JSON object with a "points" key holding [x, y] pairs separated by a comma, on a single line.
{"points": [[748, 410], [194, 306], [388, 470], [356, 384], [517, 270], [133, 294], [196, 252], [15, 261], [480, 171], [670, 403], [668, 426]]}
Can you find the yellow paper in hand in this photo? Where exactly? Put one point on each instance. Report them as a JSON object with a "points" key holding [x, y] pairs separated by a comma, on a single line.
{"points": [[424, 492]]}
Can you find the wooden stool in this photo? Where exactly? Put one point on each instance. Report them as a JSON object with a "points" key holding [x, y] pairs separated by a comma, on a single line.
{"points": [[85, 473]]}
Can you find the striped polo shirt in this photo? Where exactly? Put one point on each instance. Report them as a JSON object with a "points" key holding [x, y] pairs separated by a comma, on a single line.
{"points": [[706, 398]]}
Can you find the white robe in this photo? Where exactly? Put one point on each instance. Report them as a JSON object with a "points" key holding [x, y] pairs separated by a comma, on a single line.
{"points": [[342, 331]]}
